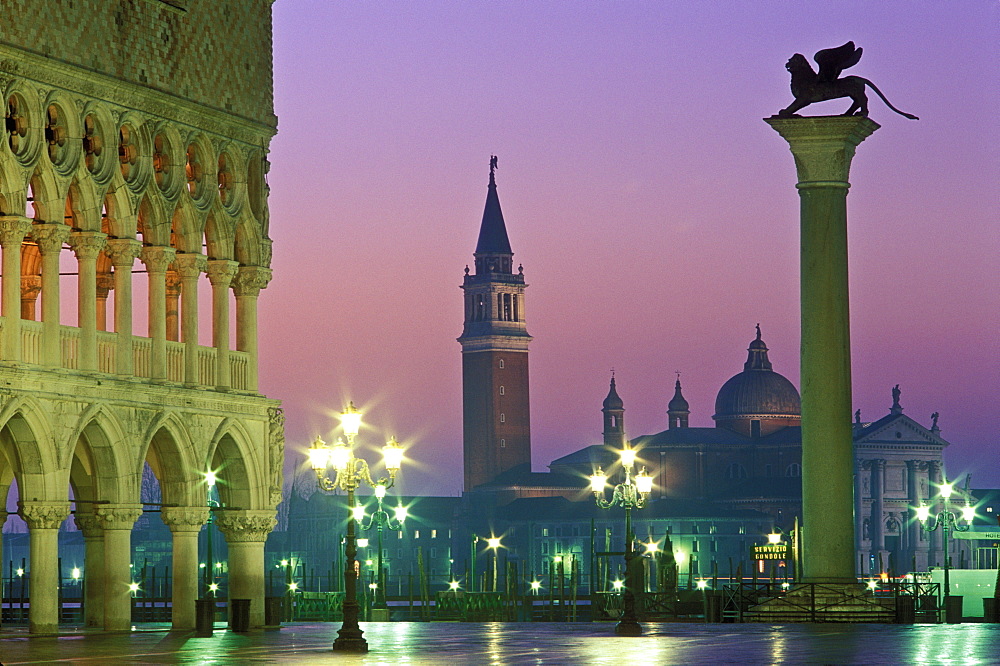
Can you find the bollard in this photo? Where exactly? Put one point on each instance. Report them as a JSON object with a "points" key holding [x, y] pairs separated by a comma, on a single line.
{"points": [[953, 609], [204, 617], [274, 609], [239, 615], [713, 606]]}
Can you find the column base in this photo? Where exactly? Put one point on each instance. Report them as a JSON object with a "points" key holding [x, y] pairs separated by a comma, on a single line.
{"points": [[628, 628], [824, 602], [379, 615], [350, 640]]}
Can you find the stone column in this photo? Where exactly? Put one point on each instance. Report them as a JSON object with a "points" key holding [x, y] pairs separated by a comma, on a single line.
{"points": [[247, 285], [246, 532], [44, 519], [31, 286], [50, 239], [117, 521], [105, 283], [93, 569], [13, 229], [3, 519], [87, 245], [185, 523], [823, 149], [878, 511], [859, 517], [123, 253], [911, 527], [934, 539], [157, 259], [190, 267], [221, 273], [173, 305]]}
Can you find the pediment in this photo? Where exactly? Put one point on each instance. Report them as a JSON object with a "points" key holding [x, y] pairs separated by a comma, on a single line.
{"points": [[901, 430]]}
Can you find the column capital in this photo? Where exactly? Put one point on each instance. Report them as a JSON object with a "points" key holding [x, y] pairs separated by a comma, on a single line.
{"points": [[117, 516], [13, 229], [173, 283], [823, 146], [184, 518], [222, 271], [87, 244], [105, 283], [190, 265], [43, 515], [123, 251], [88, 524], [240, 525], [157, 257], [250, 280], [30, 286], [50, 237]]}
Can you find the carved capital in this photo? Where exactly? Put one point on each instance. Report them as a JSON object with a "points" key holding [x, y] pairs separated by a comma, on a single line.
{"points": [[88, 524], [222, 271], [173, 283], [123, 252], [246, 526], [190, 265], [117, 516], [184, 518], [31, 285], [87, 244], [50, 237], [13, 229], [157, 258], [250, 280], [44, 515], [823, 147]]}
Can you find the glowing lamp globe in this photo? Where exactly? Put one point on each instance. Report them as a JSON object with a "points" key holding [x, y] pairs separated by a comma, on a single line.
{"points": [[393, 454], [923, 512], [319, 456], [598, 480], [644, 482], [628, 457], [400, 513], [968, 513], [340, 455], [350, 419]]}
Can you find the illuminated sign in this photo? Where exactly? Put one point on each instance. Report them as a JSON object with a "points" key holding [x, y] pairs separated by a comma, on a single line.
{"points": [[772, 551]]}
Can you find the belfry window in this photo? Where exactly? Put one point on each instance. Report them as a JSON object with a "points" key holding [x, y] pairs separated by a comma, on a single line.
{"points": [[501, 364]]}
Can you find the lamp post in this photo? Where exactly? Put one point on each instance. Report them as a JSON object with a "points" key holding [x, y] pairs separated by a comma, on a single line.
{"points": [[381, 520], [948, 521], [493, 543], [209, 573], [349, 473], [631, 494]]}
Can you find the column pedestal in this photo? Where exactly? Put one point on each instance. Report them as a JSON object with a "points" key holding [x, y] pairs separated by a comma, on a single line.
{"points": [[185, 525], [246, 532], [823, 148], [44, 519]]}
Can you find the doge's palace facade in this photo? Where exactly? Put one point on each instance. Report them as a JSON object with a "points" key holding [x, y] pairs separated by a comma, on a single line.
{"points": [[132, 188]]}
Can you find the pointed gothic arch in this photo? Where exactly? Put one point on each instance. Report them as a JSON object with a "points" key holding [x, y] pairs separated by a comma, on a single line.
{"points": [[241, 484]]}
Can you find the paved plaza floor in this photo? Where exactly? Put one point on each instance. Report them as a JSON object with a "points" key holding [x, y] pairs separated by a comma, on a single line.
{"points": [[528, 643]]}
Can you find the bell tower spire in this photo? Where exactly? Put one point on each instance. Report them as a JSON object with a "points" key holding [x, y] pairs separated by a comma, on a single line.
{"points": [[495, 406]]}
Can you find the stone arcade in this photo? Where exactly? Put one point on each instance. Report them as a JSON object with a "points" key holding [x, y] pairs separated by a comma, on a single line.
{"points": [[132, 165]]}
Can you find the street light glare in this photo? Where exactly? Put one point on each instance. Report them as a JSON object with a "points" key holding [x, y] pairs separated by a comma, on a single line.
{"points": [[340, 455], [362, 543], [453, 585], [350, 419], [968, 513], [923, 512], [947, 489], [628, 457], [493, 542], [393, 454], [598, 480], [774, 538], [210, 478], [400, 513], [643, 482], [652, 546], [358, 512]]}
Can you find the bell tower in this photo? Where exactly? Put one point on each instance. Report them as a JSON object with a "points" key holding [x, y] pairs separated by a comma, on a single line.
{"points": [[495, 416]]}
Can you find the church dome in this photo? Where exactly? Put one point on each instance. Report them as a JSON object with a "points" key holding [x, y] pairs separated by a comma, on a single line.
{"points": [[758, 393]]}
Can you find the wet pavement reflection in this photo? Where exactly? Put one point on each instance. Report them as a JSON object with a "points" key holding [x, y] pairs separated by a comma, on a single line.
{"points": [[515, 643]]}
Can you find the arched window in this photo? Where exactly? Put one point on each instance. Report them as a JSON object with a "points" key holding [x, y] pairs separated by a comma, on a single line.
{"points": [[501, 391], [794, 469], [503, 418], [736, 471], [501, 364], [503, 443]]}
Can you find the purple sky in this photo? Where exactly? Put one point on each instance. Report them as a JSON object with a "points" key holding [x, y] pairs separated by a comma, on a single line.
{"points": [[654, 212]]}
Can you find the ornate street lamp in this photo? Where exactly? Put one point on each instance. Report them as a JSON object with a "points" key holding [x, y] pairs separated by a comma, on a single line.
{"points": [[381, 520], [350, 472], [631, 494], [948, 521]]}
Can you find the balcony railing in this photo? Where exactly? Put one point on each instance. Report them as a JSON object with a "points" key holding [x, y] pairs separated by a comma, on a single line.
{"points": [[142, 352]]}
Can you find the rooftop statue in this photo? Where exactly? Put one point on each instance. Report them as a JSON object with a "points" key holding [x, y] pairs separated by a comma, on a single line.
{"points": [[809, 87]]}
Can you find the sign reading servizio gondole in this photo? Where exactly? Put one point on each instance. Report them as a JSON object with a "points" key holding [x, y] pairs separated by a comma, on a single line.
{"points": [[771, 551]]}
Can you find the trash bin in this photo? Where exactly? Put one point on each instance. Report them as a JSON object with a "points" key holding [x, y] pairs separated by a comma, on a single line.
{"points": [[239, 614], [274, 611], [991, 610], [713, 606], [906, 609], [953, 609], [204, 617]]}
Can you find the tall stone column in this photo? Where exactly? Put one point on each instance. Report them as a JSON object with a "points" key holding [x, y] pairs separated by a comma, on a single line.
{"points": [[173, 305], [105, 283], [936, 552], [246, 532], [823, 149], [878, 511], [87, 245], [31, 286], [44, 519], [117, 520], [185, 523], [50, 239], [93, 569], [123, 253], [246, 287], [3, 519], [157, 259], [13, 229], [190, 267], [221, 273], [911, 527]]}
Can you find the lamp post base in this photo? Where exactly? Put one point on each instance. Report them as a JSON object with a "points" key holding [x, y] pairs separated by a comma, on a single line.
{"points": [[628, 628], [350, 639]]}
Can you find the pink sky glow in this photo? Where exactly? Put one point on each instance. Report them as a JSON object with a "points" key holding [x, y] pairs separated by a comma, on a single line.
{"points": [[653, 210]]}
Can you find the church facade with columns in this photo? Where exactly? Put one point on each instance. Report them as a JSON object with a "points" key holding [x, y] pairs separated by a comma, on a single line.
{"points": [[132, 180]]}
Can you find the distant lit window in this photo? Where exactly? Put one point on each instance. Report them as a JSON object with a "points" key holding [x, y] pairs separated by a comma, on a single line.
{"points": [[545, 531], [416, 534], [434, 534], [399, 534]]}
